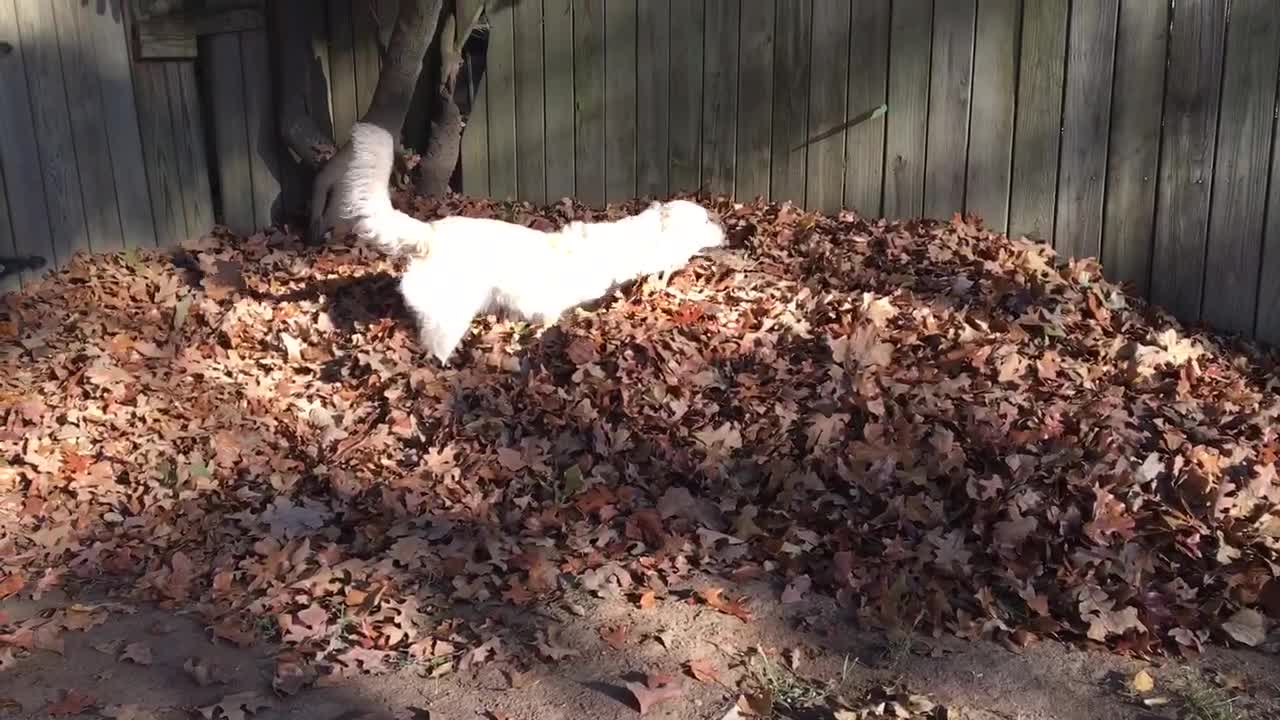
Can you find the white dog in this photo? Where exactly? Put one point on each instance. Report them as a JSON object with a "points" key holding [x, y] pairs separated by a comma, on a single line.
{"points": [[465, 266]]}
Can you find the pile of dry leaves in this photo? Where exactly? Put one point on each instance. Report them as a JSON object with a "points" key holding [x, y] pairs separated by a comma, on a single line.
{"points": [[930, 421]]}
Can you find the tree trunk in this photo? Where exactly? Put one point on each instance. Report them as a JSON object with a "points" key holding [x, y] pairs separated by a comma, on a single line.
{"points": [[444, 145], [440, 158], [410, 38], [415, 26]]}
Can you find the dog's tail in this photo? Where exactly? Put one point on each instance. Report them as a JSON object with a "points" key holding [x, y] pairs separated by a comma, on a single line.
{"points": [[365, 194]]}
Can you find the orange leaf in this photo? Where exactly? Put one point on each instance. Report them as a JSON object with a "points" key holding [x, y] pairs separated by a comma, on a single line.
{"points": [[647, 600], [12, 585], [715, 598]]}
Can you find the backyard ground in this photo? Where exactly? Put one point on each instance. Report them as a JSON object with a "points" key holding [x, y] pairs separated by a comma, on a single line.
{"points": [[840, 469]]}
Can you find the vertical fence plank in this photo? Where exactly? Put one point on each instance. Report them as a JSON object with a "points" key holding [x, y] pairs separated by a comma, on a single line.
{"points": [[260, 124], [1186, 155], [558, 62], [151, 88], [910, 46], [653, 88], [950, 85], [181, 164], [720, 96], [868, 89], [364, 51], [1142, 35], [28, 209], [1038, 119], [620, 99], [790, 99], [828, 104], [93, 154], [1086, 116], [188, 130], [195, 145], [225, 78], [343, 93], [685, 108], [755, 86], [8, 245], [39, 41], [1238, 211], [531, 150], [475, 139], [120, 118], [995, 82], [1267, 324], [500, 78], [588, 88]]}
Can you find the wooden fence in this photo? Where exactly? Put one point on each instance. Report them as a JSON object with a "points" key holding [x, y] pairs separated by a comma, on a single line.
{"points": [[98, 153], [1138, 131]]}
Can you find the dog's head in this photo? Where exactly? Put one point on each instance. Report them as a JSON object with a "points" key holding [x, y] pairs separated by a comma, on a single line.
{"points": [[689, 227]]}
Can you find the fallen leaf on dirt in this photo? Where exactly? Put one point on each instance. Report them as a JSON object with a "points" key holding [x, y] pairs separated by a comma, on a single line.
{"points": [[1142, 682], [73, 702], [128, 712], [237, 706], [520, 680], [12, 584], [109, 647], [715, 598], [291, 675], [554, 652], [655, 689], [138, 653], [703, 670], [796, 590], [1247, 626], [205, 672], [756, 703], [647, 600], [615, 636], [733, 713]]}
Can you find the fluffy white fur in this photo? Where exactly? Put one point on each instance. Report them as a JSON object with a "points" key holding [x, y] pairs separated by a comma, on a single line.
{"points": [[466, 266]]}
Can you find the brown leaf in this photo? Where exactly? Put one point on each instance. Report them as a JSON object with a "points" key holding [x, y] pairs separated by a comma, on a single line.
{"points": [[703, 670], [655, 689], [615, 636], [237, 706], [1247, 626], [128, 712], [12, 584], [757, 703], [647, 600], [138, 653], [205, 672], [73, 702], [796, 589], [291, 675]]}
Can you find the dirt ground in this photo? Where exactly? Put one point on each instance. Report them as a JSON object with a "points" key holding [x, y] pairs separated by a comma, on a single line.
{"points": [[145, 663]]}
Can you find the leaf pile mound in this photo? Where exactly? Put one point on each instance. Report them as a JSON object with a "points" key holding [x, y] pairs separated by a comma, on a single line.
{"points": [[937, 424]]}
